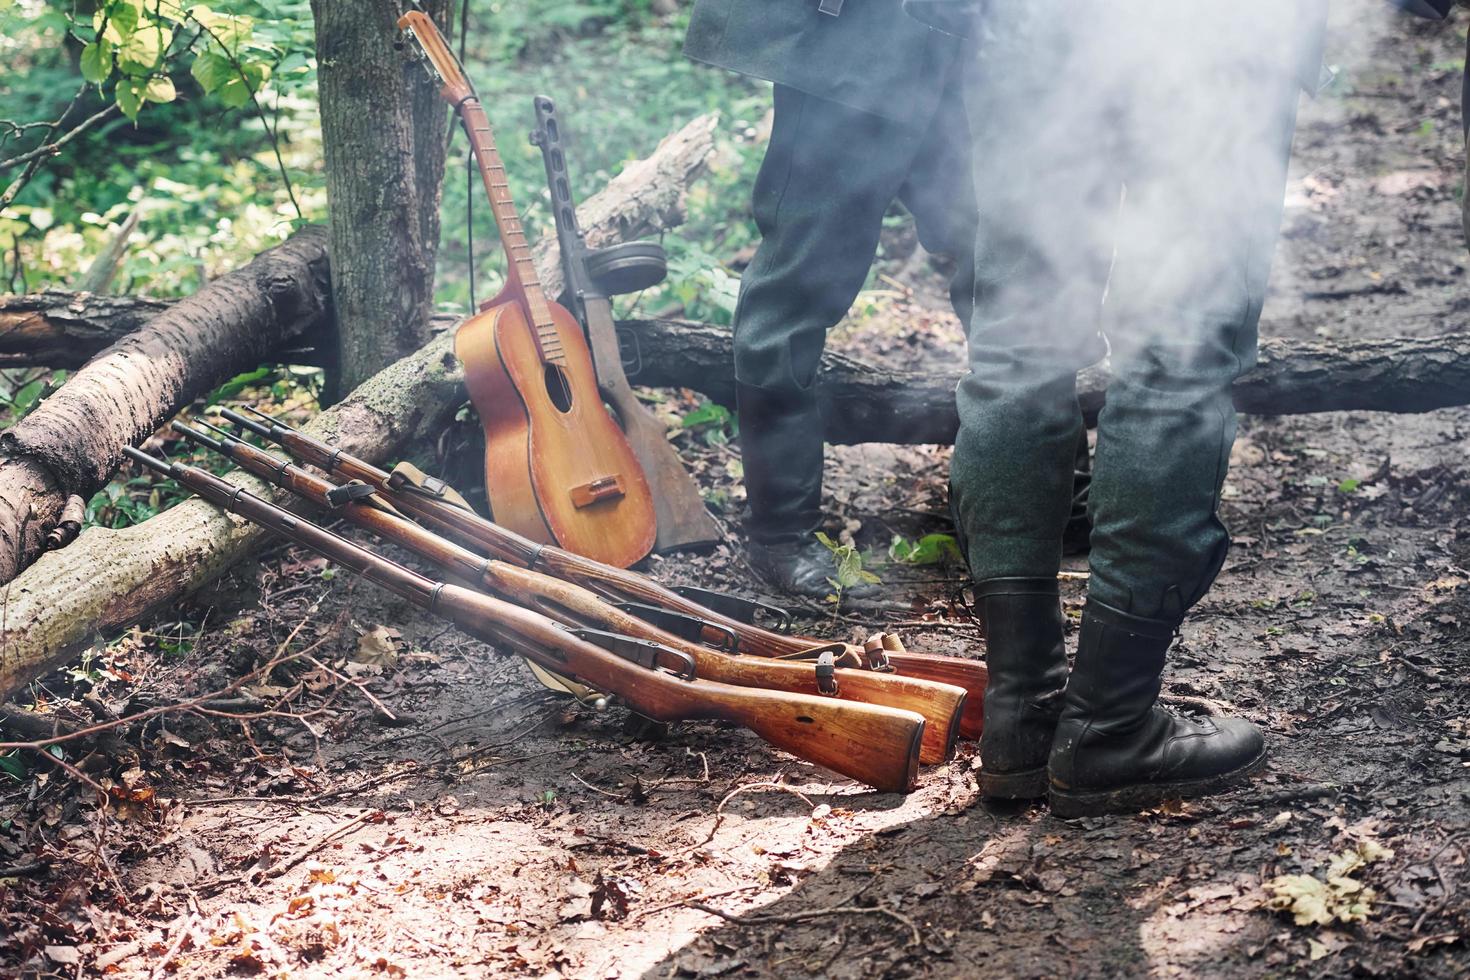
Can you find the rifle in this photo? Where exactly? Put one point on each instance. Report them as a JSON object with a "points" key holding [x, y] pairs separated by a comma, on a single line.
{"points": [[872, 743], [941, 705], [683, 521], [426, 503]]}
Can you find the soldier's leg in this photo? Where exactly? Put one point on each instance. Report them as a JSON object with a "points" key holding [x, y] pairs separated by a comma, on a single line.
{"points": [[1040, 267], [829, 174], [1194, 251], [940, 193]]}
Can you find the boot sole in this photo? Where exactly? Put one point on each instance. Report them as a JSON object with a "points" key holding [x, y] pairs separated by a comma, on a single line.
{"points": [[1032, 784], [1071, 804]]}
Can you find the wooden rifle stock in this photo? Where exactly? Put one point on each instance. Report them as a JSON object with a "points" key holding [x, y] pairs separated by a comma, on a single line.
{"points": [[617, 583], [875, 744], [941, 705]]}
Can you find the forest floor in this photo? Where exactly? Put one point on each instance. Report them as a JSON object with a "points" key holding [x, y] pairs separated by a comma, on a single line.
{"points": [[497, 831]]}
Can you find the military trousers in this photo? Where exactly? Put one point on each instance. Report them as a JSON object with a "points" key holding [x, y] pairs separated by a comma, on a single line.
{"points": [[1129, 174], [828, 178]]}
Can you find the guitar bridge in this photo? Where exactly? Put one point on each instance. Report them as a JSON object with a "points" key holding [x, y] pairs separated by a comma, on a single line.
{"points": [[598, 490]]}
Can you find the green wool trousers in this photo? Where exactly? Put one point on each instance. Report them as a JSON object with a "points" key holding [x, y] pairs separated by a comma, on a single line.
{"points": [[829, 176], [1129, 168]]}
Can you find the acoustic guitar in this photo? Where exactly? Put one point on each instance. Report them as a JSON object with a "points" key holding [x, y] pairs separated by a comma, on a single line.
{"points": [[558, 469]]}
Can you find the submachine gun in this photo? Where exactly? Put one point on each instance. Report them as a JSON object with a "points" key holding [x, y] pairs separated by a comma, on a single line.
{"points": [[591, 276]]}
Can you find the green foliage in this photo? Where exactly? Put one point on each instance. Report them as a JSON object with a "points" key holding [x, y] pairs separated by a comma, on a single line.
{"points": [[931, 549], [848, 570], [188, 150], [22, 390], [12, 765], [716, 424], [137, 45], [209, 192]]}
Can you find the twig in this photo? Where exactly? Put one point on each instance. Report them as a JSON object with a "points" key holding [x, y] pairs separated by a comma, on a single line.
{"points": [[362, 689], [197, 703], [286, 864], [173, 948], [765, 919], [1295, 794], [615, 796], [747, 788], [684, 902], [51, 149], [23, 870]]}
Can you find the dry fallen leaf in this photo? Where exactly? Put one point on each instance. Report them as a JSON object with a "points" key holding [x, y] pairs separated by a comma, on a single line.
{"points": [[378, 646]]}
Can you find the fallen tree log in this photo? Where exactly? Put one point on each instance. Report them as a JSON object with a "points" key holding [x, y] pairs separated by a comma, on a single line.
{"points": [[61, 329], [107, 579], [863, 402], [72, 442]]}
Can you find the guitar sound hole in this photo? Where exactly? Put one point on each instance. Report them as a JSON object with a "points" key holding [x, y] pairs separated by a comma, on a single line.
{"points": [[558, 389]]}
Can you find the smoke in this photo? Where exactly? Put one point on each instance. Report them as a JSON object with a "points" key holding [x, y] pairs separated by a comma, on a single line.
{"points": [[1130, 163]]}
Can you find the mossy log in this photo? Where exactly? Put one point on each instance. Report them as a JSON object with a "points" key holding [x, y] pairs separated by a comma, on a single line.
{"points": [[107, 579]]}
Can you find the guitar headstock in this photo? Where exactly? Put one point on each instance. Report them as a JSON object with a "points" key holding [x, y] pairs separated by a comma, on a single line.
{"points": [[455, 87]]}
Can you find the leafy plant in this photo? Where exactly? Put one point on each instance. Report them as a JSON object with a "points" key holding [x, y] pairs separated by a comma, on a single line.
{"points": [[931, 549], [716, 423], [847, 564], [1338, 898], [12, 765]]}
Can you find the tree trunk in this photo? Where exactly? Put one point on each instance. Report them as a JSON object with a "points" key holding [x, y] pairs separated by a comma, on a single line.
{"points": [[383, 136], [868, 403], [108, 579], [72, 442]]}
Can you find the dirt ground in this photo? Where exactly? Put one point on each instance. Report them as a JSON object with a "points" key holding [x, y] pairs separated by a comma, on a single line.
{"points": [[493, 830]]}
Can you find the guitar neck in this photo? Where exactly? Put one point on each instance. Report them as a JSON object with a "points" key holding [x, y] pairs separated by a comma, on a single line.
{"points": [[520, 270]]}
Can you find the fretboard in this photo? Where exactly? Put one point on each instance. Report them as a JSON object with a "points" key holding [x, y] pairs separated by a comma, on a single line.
{"points": [[520, 270]]}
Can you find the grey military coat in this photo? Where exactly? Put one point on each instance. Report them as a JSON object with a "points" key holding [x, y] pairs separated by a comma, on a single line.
{"points": [[871, 56]]}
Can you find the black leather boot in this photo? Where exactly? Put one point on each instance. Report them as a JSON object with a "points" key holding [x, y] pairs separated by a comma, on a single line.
{"points": [[1027, 660], [781, 447], [1116, 749]]}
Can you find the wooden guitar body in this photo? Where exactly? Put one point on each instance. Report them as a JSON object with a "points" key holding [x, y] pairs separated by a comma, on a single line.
{"points": [[558, 469]]}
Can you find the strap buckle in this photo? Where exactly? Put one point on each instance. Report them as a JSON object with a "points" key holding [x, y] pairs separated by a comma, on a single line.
{"points": [[348, 493], [876, 651], [832, 8], [827, 673], [408, 478]]}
